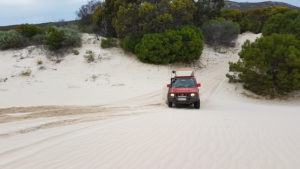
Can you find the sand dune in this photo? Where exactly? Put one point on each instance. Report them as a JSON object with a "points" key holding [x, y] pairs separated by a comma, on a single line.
{"points": [[120, 120]]}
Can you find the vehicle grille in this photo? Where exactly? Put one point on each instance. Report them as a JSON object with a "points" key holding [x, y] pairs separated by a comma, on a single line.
{"points": [[182, 94]]}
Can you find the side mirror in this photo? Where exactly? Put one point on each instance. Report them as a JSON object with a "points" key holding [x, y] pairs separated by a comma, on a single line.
{"points": [[198, 84], [168, 85]]}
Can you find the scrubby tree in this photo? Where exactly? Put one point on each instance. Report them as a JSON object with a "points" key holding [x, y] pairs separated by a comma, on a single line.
{"points": [[234, 15], [119, 18], [207, 10], [126, 20], [220, 32], [147, 12], [163, 22], [182, 11], [270, 66], [288, 22], [252, 20], [103, 17], [255, 19], [85, 12]]}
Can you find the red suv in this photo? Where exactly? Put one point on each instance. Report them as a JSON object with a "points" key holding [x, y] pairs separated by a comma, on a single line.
{"points": [[184, 89]]}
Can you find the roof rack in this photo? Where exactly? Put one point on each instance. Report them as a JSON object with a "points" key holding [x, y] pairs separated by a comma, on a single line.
{"points": [[183, 73]]}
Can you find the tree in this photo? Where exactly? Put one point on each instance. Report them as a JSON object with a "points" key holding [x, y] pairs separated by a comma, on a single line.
{"points": [[220, 32], [126, 20], [252, 20], [234, 15], [120, 18], [146, 14], [103, 17], [270, 66], [206, 10], [288, 22], [182, 11], [86, 11]]}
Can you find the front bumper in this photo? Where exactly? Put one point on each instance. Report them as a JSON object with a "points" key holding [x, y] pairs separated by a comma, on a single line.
{"points": [[183, 100]]}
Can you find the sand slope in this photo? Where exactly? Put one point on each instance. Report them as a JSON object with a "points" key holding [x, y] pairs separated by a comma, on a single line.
{"points": [[130, 127]]}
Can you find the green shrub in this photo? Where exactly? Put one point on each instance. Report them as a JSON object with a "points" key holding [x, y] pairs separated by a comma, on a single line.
{"points": [[10, 39], [154, 48], [283, 23], [269, 66], [75, 52], [129, 43], [29, 31], [72, 38], [39, 62], [220, 32], [90, 56], [109, 43], [37, 39], [183, 45], [57, 38], [26, 73], [54, 38]]}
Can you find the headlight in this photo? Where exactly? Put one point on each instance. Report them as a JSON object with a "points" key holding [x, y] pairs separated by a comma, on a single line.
{"points": [[193, 95], [172, 95]]}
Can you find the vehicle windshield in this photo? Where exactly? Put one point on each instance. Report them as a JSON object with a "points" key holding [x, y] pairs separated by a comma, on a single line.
{"points": [[183, 83]]}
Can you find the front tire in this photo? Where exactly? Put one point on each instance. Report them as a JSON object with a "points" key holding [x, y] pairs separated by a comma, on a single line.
{"points": [[170, 104], [197, 105]]}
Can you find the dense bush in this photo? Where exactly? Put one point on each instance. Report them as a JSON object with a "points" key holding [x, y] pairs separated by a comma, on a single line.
{"points": [[29, 31], [37, 39], [109, 43], [288, 22], [185, 44], [57, 38], [252, 20], [220, 32], [129, 43], [10, 39], [54, 38], [269, 66]]}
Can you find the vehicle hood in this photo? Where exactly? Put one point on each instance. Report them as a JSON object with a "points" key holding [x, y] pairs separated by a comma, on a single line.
{"points": [[184, 90]]}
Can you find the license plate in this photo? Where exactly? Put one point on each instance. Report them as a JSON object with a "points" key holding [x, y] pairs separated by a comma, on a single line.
{"points": [[181, 99]]}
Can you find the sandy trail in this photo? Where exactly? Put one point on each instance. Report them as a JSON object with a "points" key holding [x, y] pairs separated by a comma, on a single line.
{"points": [[138, 131], [168, 138]]}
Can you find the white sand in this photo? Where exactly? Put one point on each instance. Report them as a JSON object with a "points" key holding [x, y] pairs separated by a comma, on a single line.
{"points": [[230, 131]]}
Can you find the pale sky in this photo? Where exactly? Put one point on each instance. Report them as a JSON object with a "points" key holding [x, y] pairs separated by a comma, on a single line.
{"points": [[40, 11], [37, 11]]}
